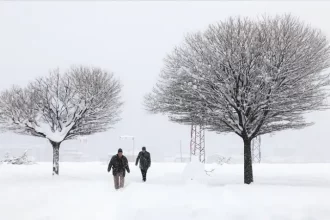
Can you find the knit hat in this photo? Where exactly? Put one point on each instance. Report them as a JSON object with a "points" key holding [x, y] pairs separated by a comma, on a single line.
{"points": [[120, 150]]}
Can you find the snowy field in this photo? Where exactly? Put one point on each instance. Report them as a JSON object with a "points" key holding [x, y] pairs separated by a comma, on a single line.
{"points": [[85, 191]]}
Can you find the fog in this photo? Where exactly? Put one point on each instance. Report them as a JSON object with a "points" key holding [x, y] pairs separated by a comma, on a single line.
{"points": [[131, 39]]}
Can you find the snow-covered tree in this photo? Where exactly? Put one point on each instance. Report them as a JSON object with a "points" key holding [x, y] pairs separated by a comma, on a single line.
{"points": [[80, 102], [250, 77], [24, 159], [7, 157]]}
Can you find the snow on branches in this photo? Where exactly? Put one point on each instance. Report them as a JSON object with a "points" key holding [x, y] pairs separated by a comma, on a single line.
{"points": [[81, 102], [24, 159], [244, 76], [247, 77]]}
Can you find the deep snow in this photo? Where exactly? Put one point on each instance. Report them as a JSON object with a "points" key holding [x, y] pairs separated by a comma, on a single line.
{"points": [[85, 191]]}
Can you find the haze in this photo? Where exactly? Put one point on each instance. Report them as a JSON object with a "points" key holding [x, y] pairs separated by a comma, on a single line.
{"points": [[131, 39]]}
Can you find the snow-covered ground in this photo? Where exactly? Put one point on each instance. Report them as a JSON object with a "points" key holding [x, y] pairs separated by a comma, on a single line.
{"points": [[85, 191]]}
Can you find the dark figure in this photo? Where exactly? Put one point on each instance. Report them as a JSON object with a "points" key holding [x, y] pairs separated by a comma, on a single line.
{"points": [[145, 162], [119, 165]]}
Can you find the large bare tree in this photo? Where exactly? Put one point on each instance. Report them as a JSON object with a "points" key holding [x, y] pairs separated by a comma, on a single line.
{"points": [[81, 102], [250, 77]]}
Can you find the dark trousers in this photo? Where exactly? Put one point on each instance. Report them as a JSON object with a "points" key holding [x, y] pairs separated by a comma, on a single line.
{"points": [[144, 174]]}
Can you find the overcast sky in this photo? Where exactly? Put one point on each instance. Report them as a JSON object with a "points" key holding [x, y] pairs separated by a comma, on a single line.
{"points": [[131, 39]]}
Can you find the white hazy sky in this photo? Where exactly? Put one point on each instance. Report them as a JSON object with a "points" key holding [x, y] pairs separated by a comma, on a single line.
{"points": [[131, 39]]}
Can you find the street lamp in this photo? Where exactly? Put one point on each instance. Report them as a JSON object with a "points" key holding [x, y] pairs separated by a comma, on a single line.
{"points": [[125, 137]]}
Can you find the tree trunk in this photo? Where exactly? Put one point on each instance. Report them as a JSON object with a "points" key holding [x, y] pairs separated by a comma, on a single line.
{"points": [[56, 157], [248, 171]]}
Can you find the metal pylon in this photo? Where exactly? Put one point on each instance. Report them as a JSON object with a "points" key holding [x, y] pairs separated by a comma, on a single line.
{"points": [[197, 142], [256, 151]]}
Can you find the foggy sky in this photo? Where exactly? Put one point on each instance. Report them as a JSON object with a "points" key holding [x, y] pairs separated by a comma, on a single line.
{"points": [[131, 39]]}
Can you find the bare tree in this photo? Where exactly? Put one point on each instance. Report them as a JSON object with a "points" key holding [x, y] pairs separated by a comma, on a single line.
{"points": [[81, 102], [247, 77]]}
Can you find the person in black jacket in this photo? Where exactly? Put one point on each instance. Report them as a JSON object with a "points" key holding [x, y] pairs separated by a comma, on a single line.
{"points": [[145, 162], [119, 165]]}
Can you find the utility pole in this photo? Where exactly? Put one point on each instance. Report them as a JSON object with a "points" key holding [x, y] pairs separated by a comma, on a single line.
{"points": [[133, 149], [181, 151], [123, 137]]}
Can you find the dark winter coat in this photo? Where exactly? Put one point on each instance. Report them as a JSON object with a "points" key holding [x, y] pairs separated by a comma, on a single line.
{"points": [[118, 165], [145, 160]]}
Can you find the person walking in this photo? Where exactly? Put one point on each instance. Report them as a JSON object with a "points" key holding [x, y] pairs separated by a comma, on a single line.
{"points": [[145, 162], [119, 166]]}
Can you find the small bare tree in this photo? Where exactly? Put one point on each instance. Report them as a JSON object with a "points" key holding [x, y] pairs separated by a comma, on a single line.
{"points": [[247, 77], [81, 102]]}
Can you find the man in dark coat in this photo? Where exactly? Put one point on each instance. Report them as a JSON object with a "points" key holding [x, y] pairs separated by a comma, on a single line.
{"points": [[145, 162], [119, 165]]}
